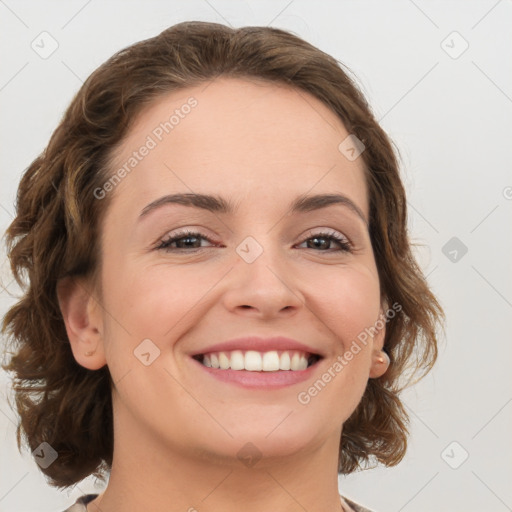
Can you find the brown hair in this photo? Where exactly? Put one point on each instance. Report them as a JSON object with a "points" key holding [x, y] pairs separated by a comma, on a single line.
{"points": [[56, 234]]}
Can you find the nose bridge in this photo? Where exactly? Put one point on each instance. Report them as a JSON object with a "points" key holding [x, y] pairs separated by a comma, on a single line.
{"points": [[259, 253], [262, 278]]}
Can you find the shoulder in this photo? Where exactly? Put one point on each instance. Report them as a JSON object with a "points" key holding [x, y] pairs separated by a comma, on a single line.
{"points": [[351, 506], [80, 503]]}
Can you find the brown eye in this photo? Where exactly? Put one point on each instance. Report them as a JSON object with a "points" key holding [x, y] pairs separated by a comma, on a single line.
{"points": [[323, 241], [187, 240]]}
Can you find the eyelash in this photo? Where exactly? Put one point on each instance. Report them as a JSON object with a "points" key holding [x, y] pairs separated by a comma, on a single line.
{"points": [[164, 245]]}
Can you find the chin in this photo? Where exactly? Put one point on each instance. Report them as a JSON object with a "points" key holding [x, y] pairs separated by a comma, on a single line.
{"points": [[261, 442]]}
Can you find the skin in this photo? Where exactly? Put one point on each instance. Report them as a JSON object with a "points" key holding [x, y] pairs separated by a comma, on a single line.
{"points": [[177, 430]]}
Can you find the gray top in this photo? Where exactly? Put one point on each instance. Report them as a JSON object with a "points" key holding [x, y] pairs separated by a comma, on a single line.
{"points": [[80, 504]]}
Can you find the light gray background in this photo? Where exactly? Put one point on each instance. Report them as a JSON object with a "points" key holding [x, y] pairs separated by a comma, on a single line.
{"points": [[449, 114]]}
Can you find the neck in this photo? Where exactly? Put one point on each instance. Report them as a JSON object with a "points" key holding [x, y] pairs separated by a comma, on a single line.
{"points": [[150, 474]]}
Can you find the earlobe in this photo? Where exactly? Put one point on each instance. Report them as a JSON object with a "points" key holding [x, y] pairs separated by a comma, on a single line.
{"points": [[83, 322]]}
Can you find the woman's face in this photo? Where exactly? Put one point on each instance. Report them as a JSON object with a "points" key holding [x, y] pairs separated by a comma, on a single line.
{"points": [[263, 270]]}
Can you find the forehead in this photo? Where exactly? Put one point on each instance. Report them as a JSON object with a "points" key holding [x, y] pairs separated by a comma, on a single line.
{"points": [[238, 138]]}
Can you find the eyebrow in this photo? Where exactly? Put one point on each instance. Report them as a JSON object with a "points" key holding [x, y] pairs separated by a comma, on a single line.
{"points": [[218, 204]]}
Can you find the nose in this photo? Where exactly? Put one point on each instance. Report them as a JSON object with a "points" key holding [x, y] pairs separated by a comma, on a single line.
{"points": [[264, 288]]}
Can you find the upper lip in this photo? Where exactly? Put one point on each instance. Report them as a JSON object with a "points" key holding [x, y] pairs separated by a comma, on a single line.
{"points": [[260, 345]]}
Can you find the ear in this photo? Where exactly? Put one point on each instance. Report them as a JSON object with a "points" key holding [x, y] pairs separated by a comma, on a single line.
{"points": [[380, 360], [83, 320]]}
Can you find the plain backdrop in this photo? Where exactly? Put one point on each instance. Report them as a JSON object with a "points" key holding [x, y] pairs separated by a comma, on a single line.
{"points": [[438, 75]]}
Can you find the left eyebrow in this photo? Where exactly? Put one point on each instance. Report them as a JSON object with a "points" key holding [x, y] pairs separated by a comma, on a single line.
{"points": [[218, 204]]}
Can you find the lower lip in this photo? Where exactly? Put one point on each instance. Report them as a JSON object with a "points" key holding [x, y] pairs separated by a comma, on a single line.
{"points": [[261, 380]]}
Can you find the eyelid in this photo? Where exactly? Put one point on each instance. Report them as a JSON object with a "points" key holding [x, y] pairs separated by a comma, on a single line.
{"points": [[326, 231]]}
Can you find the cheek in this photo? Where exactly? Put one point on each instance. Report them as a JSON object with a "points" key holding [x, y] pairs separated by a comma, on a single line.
{"points": [[146, 310], [348, 306], [154, 301], [347, 301]]}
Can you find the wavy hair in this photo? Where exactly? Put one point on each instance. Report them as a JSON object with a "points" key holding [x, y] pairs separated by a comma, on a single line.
{"points": [[56, 233]]}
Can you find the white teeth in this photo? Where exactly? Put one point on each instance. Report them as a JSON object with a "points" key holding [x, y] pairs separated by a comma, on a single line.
{"points": [[237, 360], [270, 361], [223, 361], [298, 363], [254, 361], [284, 361]]}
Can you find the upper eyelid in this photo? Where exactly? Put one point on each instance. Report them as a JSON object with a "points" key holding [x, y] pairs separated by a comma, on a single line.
{"points": [[200, 231]]}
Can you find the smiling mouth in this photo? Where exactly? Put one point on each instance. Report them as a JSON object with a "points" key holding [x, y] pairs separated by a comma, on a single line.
{"points": [[254, 361]]}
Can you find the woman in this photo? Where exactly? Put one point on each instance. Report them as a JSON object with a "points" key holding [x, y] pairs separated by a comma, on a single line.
{"points": [[222, 298]]}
